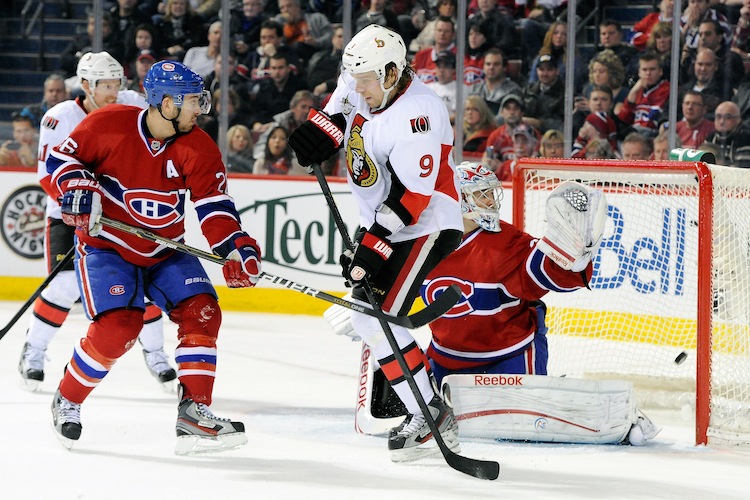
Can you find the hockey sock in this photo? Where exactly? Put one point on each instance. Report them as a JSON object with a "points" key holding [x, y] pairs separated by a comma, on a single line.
{"points": [[152, 333], [46, 321], [418, 367]]}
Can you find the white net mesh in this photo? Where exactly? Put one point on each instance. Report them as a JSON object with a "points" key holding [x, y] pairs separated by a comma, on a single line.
{"points": [[642, 311]]}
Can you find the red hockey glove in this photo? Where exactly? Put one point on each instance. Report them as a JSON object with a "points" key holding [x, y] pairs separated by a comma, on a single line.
{"points": [[81, 205], [366, 259], [242, 270], [318, 138]]}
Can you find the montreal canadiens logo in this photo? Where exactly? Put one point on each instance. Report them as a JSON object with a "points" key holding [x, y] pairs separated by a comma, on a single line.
{"points": [[432, 290], [116, 290], [167, 66], [24, 221], [152, 208]]}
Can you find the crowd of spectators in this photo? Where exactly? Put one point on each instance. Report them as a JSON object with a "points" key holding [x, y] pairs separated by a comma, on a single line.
{"points": [[285, 58]]}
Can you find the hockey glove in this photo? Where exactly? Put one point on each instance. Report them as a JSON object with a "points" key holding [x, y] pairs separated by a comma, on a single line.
{"points": [[242, 269], [81, 205], [318, 138], [367, 258], [339, 317]]}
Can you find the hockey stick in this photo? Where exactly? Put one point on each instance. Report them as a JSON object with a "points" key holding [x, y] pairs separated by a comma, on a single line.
{"points": [[55, 271], [482, 469], [443, 303]]}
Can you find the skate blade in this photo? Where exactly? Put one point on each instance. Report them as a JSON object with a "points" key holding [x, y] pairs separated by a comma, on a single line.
{"points": [[30, 385], [195, 445], [66, 442], [431, 449]]}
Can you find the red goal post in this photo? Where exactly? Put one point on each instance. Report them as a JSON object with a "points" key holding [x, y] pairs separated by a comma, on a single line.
{"points": [[672, 275]]}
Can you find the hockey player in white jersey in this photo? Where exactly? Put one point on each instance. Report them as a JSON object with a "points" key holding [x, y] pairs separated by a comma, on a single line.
{"points": [[398, 143], [102, 80]]}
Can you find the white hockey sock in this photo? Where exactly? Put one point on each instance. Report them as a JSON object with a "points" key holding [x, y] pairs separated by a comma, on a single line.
{"points": [[405, 394], [152, 336]]}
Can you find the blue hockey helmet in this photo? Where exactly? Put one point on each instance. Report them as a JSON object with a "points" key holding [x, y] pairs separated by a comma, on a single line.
{"points": [[174, 79]]}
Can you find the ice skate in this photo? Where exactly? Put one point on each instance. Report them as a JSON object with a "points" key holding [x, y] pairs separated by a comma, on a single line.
{"points": [[642, 431], [31, 367], [200, 431], [66, 419], [158, 365], [411, 440]]}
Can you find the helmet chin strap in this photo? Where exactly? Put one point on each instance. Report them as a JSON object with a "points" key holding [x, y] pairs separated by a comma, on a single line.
{"points": [[386, 92], [172, 120]]}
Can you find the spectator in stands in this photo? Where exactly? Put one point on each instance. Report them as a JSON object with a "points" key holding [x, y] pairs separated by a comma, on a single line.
{"points": [[377, 13], [445, 85], [303, 32], [125, 18], [22, 150], [143, 63], [659, 42], [83, 43], [210, 123], [54, 93], [256, 63], [496, 84], [426, 37], [236, 82], [424, 60], [599, 149], [742, 100], [552, 144], [201, 59], [244, 26], [731, 69], [605, 68], [478, 125], [556, 44], [706, 80], [661, 145], [500, 27], [239, 150], [272, 95], [694, 128], [694, 14], [599, 122], [731, 139], [544, 100], [144, 38], [477, 45], [641, 30], [610, 37], [536, 25], [180, 28], [324, 66], [299, 107], [525, 145], [741, 34], [278, 157], [500, 142], [636, 146], [647, 102]]}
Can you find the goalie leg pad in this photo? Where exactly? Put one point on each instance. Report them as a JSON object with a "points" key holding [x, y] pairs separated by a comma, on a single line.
{"points": [[541, 409], [377, 412]]}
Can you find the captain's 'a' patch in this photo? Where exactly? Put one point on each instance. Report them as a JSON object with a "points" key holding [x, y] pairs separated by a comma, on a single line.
{"points": [[420, 125], [50, 122]]}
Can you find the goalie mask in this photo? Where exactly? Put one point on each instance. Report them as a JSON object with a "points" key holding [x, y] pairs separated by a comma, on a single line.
{"points": [[481, 193]]}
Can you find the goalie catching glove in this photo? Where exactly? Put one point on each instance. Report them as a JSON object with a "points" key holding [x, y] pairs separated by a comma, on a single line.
{"points": [[319, 138], [242, 268], [367, 257], [81, 205], [575, 216]]}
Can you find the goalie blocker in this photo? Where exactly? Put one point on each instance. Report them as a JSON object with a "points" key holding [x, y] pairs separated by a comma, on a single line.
{"points": [[516, 407]]}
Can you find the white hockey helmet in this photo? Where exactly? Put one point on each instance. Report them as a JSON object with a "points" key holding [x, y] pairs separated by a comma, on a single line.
{"points": [[372, 49], [481, 193], [95, 66]]}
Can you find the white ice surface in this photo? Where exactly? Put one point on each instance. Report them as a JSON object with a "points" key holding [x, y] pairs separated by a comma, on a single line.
{"points": [[292, 382]]}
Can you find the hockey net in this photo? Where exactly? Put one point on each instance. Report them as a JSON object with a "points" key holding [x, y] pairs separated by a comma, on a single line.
{"points": [[672, 276]]}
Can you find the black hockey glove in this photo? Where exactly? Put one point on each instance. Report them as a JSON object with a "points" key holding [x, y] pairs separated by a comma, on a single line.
{"points": [[370, 252], [318, 138]]}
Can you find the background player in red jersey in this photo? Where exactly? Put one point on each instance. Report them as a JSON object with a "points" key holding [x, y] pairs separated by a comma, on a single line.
{"points": [[102, 81], [137, 166]]}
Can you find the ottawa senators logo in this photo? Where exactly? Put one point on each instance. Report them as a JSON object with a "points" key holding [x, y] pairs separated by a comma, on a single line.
{"points": [[420, 125], [361, 168], [380, 43]]}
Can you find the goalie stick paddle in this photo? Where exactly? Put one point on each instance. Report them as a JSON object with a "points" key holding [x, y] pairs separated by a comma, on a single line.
{"points": [[55, 271], [440, 306], [482, 469]]}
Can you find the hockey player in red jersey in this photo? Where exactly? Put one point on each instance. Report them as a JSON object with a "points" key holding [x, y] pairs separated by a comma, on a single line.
{"points": [[137, 166], [398, 141], [498, 326], [102, 81]]}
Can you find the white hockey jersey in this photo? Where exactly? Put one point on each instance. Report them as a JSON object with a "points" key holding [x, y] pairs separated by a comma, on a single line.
{"points": [[56, 125], [403, 154]]}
